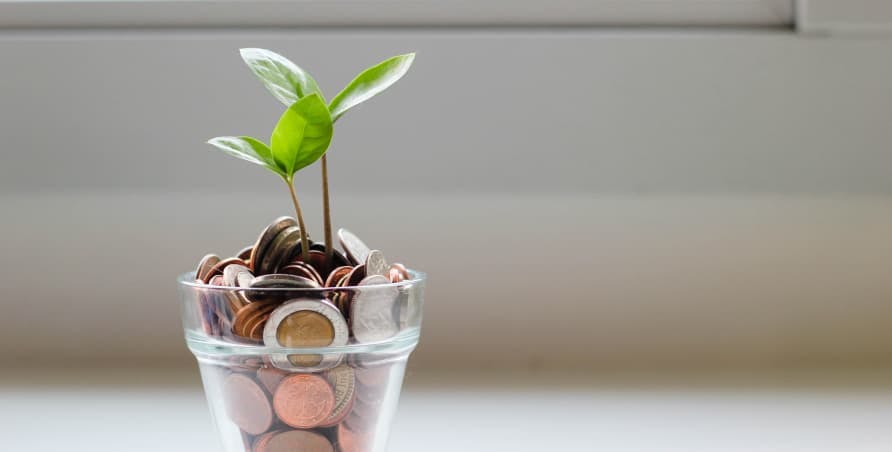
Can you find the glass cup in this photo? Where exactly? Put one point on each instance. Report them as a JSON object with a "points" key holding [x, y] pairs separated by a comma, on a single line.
{"points": [[337, 391]]}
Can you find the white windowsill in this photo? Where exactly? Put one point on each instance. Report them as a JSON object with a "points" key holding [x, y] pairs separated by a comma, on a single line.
{"points": [[246, 13]]}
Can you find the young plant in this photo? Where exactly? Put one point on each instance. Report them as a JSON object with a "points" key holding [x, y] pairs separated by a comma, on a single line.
{"points": [[288, 83], [301, 136]]}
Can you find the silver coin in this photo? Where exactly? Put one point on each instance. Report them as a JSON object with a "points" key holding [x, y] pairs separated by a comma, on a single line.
{"points": [[376, 264], [244, 279], [329, 311], [283, 281], [279, 249], [357, 250], [266, 237], [277, 281], [373, 313], [231, 273]]}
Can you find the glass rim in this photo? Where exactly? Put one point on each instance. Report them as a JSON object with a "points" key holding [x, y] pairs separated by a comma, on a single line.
{"points": [[188, 280]]}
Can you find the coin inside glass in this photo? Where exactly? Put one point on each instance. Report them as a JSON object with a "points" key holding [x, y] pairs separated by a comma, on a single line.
{"points": [[305, 329]]}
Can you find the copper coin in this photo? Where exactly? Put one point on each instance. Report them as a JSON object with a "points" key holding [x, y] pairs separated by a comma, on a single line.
{"points": [[344, 384], [266, 237], [204, 267], [247, 313], [246, 404], [295, 441], [216, 280], [270, 377], [356, 275], [256, 330], [260, 441], [219, 266], [337, 258], [245, 253], [276, 255], [303, 400], [259, 317], [317, 260], [336, 275], [302, 269], [404, 272], [350, 441], [207, 313]]}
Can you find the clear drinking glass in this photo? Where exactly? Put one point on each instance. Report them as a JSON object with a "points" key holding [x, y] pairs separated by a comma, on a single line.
{"points": [[323, 398]]}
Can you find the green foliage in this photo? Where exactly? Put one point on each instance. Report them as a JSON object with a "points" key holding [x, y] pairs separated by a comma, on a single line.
{"points": [[370, 82], [301, 136], [285, 80]]}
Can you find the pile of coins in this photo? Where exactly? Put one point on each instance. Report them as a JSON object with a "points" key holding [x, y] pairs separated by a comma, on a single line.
{"points": [[270, 295], [279, 411], [277, 317]]}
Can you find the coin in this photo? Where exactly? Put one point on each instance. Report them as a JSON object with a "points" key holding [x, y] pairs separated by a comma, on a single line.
{"points": [[244, 279], [266, 237], [356, 275], [294, 441], [217, 269], [350, 441], [305, 322], [279, 250], [344, 384], [302, 269], [317, 260], [303, 400], [246, 404], [270, 377], [277, 281], [402, 270], [374, 376], [231, 272], [245, 253], [204, 267], [373, 311], [337, 258], [375, 264], [255, 327], [246, 317], [336, 275], [357, 251]]}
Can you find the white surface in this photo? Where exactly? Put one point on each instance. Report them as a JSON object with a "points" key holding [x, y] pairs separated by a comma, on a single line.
{"points": [[484, 418]]}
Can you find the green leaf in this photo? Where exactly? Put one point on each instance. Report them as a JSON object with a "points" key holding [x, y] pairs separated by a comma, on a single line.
{"points": [[246, 148], [369, 83], [302, 134], [285, 80]]}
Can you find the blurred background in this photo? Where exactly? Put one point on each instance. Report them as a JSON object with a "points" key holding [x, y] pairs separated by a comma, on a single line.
{"points": [[648, 225]]}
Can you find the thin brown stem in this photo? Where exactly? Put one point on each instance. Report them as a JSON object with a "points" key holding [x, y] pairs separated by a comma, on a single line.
{"points": [[304, 241], [326, 214]]}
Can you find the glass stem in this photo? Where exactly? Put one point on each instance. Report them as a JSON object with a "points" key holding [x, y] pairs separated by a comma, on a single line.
{"points": [[304, 242]]}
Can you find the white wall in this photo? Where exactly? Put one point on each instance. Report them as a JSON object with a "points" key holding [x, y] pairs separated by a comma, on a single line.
{"points": [[579, 198]]}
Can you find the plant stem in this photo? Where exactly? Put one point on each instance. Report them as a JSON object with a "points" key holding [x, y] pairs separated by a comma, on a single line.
{"points": [[304, 242], [326, 214]]}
